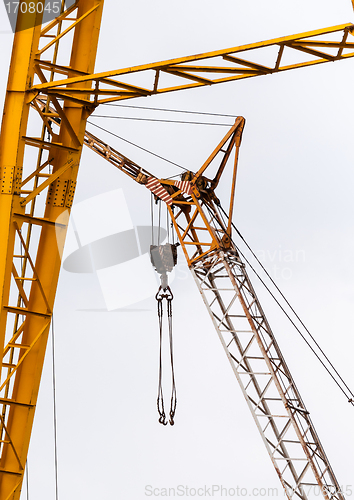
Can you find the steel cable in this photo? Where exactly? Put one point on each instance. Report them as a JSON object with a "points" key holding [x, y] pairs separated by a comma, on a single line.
{"points": [[161, 121], [139, 147], [55, 415], [170, 110], [173, 392], [294, 312], [350, 398], [160, 402]]}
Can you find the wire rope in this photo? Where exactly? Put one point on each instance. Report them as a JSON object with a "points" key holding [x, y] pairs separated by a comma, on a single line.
{"points": [[169, 110], [349, 398], [139, 147], [27, 481], [173, 402], [54, 415], [292, 310], [159, 230], [152, 218], [160, 399], [162, 121]]}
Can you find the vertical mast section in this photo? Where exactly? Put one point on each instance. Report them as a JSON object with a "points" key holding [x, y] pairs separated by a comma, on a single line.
{"points": [[35, 202]]}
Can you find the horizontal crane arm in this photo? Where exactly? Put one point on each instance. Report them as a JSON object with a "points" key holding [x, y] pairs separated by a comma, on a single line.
{"points": [[198, 70]]}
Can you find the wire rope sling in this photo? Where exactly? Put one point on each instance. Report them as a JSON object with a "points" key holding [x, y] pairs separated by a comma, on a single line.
{"points": [[164, 258]]}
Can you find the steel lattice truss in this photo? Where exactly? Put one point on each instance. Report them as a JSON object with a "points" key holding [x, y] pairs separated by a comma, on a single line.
{"points": [[210, 68], [39, 162], [265, 380]]}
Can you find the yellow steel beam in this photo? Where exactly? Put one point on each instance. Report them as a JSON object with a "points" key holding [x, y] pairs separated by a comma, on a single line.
{"points": [[11, 160], [58, 20], [72, 26], [35, 265], [239, 123], [53, 177], [190, 75]]}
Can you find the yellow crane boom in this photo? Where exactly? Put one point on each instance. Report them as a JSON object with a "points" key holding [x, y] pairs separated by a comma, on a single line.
{"points": [[210, 68]]}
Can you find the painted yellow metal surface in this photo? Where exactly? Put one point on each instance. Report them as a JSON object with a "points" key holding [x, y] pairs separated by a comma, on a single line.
{"points": [[194, 218], [33, 228], [210, 68]]}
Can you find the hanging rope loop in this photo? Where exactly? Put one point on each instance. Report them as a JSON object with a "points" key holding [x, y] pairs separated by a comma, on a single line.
{"points": [[165, 293], [160, 402], [164, 259], [173, 403]]}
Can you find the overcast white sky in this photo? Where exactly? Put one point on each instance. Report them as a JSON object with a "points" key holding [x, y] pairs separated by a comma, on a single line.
{"points": [[294, 198]]}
